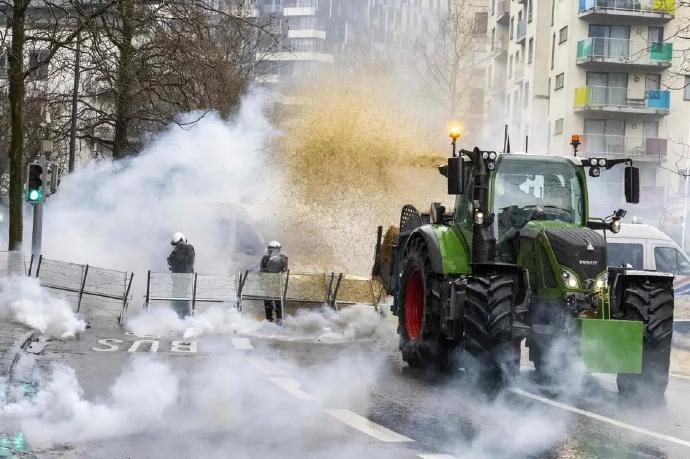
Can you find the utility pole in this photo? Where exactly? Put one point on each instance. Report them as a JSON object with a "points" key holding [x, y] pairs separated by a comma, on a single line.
{"points": [[75, 98]]}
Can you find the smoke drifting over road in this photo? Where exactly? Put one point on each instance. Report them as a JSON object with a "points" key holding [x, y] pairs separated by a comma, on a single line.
{"points": [[358, 322], [24, 301]]}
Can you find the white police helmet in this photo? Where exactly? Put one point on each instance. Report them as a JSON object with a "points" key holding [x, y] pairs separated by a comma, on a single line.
{"points": [[274, 246], [178, 238]]}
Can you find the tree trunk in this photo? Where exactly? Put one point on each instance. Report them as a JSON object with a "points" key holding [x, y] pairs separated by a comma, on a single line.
{"points": [[16, 97], [125, 77]]}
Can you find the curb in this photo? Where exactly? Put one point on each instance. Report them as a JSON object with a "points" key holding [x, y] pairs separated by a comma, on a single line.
{"points": [[14, 354]]}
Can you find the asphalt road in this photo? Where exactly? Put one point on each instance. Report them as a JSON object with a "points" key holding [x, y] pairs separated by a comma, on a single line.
{"points": [[258, 395]]}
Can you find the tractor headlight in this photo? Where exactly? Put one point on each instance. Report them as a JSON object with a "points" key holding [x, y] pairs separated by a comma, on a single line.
{"points": [[601, 281], [492, 156], [570, 278], [615, 225]]}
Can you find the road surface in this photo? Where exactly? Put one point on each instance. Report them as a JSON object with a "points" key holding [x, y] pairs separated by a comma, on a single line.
{"points": [[258, 394]]}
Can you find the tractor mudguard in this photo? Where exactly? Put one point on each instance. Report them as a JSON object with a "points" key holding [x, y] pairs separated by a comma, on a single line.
{"points": [[448, 253], [618, 277]]}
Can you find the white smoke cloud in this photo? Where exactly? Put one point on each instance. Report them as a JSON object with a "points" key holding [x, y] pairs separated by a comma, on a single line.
{"points": [[59, 413], [122, 214], [357, 322], [24, 301]]}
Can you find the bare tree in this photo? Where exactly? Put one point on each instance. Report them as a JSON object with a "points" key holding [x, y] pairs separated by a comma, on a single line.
{"points": [[450, 56], [148, 61], [50, 27]]}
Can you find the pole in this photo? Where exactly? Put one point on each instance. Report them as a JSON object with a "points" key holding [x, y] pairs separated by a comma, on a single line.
{"points": [[526, 143], [75, 97], [37, 229], [685, 202]]}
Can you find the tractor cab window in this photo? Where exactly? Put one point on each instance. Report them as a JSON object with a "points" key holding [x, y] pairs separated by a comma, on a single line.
{"points": [[671, 260], [463, 211], [527, 189], [625, 254]]}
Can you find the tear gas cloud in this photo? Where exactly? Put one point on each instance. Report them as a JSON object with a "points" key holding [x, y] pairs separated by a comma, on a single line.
{"points": [[24, 301], [122, 214]]}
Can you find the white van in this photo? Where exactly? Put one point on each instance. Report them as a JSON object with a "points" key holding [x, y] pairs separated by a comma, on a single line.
{"points": [[646, 247]]}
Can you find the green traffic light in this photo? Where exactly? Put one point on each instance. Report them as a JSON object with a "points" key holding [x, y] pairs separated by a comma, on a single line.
{"points": [[35, 195]]}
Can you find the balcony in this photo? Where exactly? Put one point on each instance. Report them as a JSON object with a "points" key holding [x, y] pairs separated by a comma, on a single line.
{"points": [[299, 56], [521, 31], [299, 11], [502, 12], [617, 52], [607, 99], [307, 33], [645, 10], [640, 148]]}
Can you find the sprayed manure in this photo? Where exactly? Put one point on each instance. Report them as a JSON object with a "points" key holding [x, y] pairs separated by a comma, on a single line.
{"points": [[352, 158]]}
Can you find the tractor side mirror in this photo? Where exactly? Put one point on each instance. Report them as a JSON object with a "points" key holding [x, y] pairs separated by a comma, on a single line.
{"points": [[632, 184], [455, 176]]}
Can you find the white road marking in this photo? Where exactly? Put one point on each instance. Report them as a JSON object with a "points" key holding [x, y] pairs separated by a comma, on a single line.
{"points": [[107, 342], [189, 347], [436, 456], [243, 344], [264, 366], [366, 426], [677, 375], [291, 386], [135, 345], [598, 417]]}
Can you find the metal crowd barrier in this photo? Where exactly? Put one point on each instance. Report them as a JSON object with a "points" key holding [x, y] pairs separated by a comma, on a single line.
{"points": [[192, 288], [81, 282], [333, 289]]}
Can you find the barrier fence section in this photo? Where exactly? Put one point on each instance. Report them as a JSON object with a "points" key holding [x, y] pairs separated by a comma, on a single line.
{"points": [[333, 289], [84, 282], [188, 290]]}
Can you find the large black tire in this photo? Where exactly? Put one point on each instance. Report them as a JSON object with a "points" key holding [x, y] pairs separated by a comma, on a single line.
{"points": [[419, 323], [489, 326], [652, 305]]}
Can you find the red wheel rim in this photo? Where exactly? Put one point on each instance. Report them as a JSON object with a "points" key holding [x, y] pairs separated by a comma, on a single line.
{"points": [[414, 305]]}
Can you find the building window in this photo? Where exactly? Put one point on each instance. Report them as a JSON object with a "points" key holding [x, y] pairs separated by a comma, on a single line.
{"points": [[560, 81], [562, 35], [686, 88], [510, 67], [553, 49], [481, 20], [525, 95], [37, 63], [512, 27], [529, 10], [3, 65], [530, 50], [553, 10], [558, 127]]}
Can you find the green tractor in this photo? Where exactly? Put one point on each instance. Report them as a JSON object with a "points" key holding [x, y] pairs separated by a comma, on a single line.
{"points": [[519, 258]]}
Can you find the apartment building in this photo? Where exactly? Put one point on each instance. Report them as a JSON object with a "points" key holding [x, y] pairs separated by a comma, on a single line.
{"points": [[604, 69]]}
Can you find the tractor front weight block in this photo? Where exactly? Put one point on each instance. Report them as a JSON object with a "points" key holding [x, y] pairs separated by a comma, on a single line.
{"points": [[611, 346]]}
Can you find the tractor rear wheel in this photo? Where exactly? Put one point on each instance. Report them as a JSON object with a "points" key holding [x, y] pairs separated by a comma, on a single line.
{"points": [[421, 342], [488, 325], [653, 306]]}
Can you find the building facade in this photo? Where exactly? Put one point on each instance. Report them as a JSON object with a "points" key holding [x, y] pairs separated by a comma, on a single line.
{"points": [[611, 71]]}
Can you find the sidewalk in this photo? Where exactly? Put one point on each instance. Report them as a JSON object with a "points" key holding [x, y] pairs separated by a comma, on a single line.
{"points": [[12, 338]]}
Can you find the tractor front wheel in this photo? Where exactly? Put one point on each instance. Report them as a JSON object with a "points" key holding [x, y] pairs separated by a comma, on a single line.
{"points": [[653, 306], [488, 326], [421, 342]]}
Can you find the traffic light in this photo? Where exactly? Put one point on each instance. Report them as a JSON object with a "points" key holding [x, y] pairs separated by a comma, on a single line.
{"points": [[34, 189]]}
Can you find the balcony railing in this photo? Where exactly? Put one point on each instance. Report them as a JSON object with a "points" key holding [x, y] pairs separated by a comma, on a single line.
{"points": [[521, 31], [623, 51], [633, 6], [650, 148], [616, 98]]}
